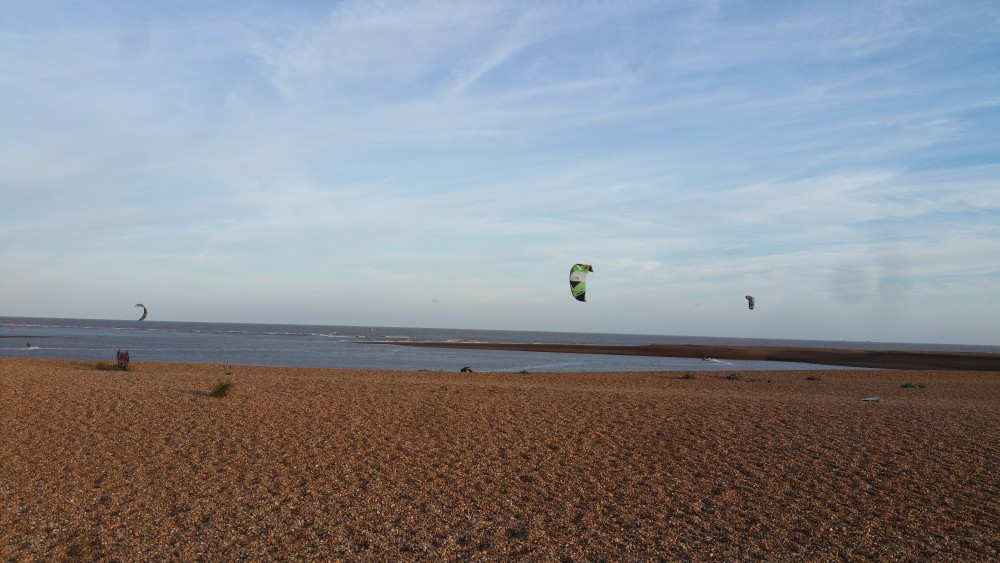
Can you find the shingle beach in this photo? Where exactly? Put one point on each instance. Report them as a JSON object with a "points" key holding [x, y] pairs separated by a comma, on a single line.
{"points": [[388, 465]]}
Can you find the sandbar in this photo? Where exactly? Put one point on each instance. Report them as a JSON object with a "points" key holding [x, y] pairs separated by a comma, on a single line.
{"points": [[884, 359]]}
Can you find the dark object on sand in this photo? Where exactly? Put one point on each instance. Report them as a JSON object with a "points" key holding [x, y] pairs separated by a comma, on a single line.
{"points": [[122, 361], [222, 389]]}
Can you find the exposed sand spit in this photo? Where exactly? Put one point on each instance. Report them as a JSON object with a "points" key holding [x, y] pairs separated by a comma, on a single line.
{"points": [[881, 359], [321, 463]]}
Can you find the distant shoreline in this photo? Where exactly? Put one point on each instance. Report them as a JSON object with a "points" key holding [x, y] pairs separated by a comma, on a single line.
{"points": [[882, 359]]}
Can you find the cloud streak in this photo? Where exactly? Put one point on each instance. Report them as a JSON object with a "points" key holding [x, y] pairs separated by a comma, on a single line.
{"points": [[833, 159]]}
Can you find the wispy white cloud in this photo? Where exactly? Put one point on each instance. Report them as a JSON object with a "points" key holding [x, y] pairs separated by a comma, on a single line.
{"points": [[833, 158]]}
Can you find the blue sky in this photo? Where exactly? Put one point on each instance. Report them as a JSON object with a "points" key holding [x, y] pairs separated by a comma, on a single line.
{"points": [[443, 164]]}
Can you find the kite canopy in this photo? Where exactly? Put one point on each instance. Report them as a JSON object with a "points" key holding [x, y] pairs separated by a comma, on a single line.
{"points": [[578, 280], [144, 311], [750, 301]]}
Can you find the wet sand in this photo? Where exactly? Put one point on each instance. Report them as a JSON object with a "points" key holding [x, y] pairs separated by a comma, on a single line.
{"points": [[882, 359], [351, 464]]}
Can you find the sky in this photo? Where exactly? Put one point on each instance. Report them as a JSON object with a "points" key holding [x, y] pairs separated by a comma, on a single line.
{"points": [[444, 164]]}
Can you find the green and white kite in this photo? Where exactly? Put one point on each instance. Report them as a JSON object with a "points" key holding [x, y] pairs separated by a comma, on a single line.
{"points": [[578, 280]]}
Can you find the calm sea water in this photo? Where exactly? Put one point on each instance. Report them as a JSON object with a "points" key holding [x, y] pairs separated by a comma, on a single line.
{"points": [[369, 347]]}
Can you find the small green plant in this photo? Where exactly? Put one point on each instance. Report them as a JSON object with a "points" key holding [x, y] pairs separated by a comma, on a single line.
{"points": [[812, 378], [467, 369], [688, 375], [222, 389], [912, 386], [525, 372], [736, 376], [518, 533], [122, 361]]}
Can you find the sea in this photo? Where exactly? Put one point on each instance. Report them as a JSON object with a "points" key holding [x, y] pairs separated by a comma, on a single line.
{"points": [[376, 347]]}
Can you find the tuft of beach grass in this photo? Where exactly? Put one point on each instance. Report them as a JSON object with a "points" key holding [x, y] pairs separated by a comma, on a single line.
{"points": [[222, 389]]}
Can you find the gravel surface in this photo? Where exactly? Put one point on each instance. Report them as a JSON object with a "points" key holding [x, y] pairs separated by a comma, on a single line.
{"points": [[325, 464]]}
